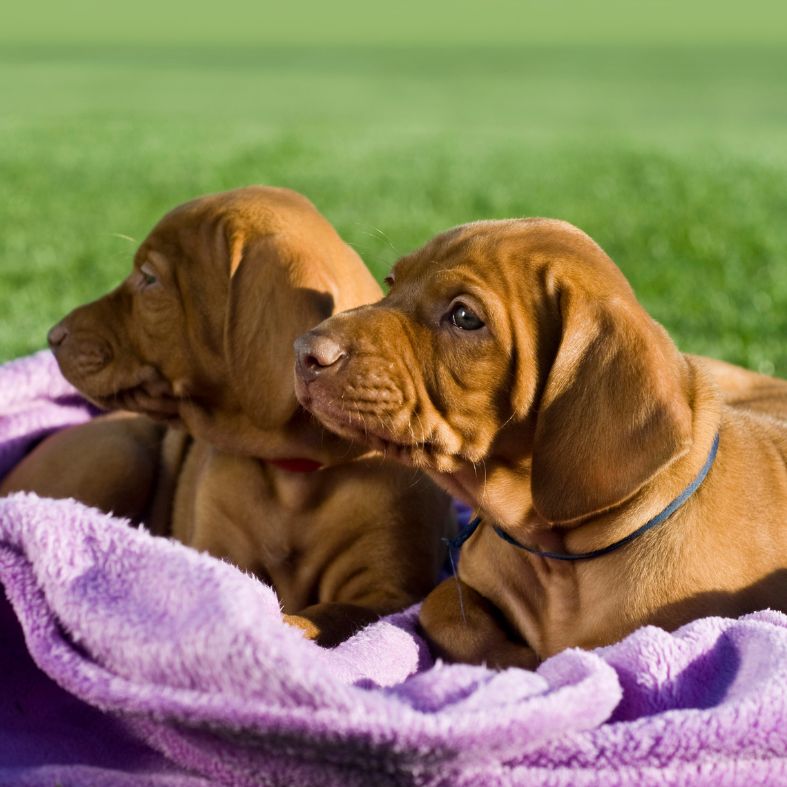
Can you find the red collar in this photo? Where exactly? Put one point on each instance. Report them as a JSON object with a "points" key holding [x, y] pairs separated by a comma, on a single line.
{"points": [[296, 464]]}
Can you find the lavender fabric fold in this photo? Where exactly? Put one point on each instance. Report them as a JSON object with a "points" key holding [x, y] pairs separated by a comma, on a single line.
{"points": [[131, 659]]}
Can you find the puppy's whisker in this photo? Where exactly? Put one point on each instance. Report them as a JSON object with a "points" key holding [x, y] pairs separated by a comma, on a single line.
{"points": [[381, 419], [507, 421], [420, 426], [378, 233], [483, 487], [122, 237], [410, 429], [415, 475], [458, 586]]}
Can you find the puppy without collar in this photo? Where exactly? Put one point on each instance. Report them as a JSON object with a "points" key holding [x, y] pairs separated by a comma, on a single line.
{"points": [[197, 342]]}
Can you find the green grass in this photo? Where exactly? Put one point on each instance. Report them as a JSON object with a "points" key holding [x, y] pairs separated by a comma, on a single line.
{"points": [[672, 157], [405, 21]]}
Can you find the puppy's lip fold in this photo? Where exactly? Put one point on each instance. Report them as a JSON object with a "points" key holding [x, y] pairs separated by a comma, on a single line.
{"points": [[368, 429], [365, 405], [147, 392], [138, 399]]}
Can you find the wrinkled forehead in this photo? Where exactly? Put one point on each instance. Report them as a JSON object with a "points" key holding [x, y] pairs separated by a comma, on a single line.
{"points": [[509, 252], [192, 234], [473, 252]]}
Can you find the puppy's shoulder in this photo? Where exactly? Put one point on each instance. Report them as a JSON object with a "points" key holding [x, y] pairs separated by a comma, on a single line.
{"points": [[747, 391]]}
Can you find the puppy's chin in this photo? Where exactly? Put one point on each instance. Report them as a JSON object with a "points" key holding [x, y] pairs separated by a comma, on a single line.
{"points": [[144, 392], [135, 400], [368, 429]]}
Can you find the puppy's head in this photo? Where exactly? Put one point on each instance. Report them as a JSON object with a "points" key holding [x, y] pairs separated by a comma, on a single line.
{"points": [[514, 345], [218, 292]]}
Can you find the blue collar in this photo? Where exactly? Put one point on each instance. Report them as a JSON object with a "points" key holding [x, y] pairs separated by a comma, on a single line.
{"points": [[471, 527]]}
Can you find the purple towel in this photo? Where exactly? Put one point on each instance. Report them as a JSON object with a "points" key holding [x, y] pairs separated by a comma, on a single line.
{"points": [[130, 659]]}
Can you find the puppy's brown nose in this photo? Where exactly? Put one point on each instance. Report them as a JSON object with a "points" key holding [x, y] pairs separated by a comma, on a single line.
{"points": [[316, 354], [57, 336]]}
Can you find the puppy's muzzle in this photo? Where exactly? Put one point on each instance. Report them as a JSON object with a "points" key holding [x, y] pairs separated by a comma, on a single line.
{"points": [[318, 355]]}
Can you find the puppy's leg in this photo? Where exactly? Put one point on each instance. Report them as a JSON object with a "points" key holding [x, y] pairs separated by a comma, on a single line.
{"points": [[330, 623], [175, 447], [461, 625], [109, 463]]}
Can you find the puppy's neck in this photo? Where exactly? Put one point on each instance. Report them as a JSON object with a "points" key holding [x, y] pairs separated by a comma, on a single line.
{"points": [[499, 490]]}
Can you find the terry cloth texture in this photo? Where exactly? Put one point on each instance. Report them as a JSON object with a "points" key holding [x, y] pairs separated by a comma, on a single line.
{"points": [[131, 659]]}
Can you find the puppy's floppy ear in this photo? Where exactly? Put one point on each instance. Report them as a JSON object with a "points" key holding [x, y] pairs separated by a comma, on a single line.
{"points": [[267, 310], [614, 410]]}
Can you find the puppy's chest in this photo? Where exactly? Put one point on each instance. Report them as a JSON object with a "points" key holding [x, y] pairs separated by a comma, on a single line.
{"points": [[227, 506], [550, 604]]}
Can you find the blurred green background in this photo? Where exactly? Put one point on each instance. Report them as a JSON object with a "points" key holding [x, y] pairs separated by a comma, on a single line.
{"points": [[659, 127]]}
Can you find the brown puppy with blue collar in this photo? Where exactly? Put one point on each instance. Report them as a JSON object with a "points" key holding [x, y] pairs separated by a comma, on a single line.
{"points": [[512, 361], [194, 349]]}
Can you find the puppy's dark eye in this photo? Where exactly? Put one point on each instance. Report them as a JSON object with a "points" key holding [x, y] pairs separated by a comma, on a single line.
{"points": [[388, 281], [463, 317], [148, 277]]}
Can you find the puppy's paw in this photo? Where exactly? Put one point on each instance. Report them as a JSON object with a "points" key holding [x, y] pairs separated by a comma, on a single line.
{"points": [[307, 627]]}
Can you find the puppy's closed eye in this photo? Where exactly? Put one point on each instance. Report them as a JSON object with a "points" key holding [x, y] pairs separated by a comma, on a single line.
{"points": [[147, 277]]}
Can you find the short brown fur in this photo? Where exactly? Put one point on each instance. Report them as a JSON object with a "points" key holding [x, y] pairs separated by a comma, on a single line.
{"points": [[200, 365], [568, 419]]}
